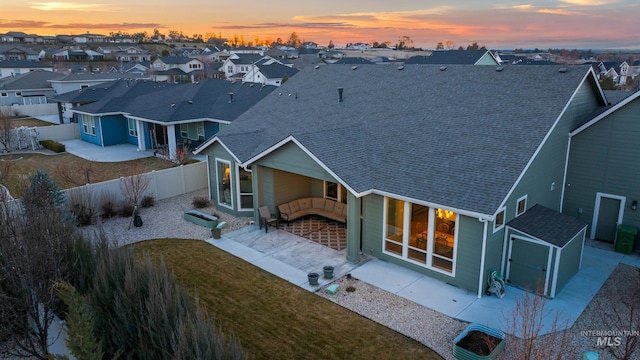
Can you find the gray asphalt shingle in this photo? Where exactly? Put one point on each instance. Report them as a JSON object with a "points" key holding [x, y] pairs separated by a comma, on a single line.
{"points": [[458, 137]]}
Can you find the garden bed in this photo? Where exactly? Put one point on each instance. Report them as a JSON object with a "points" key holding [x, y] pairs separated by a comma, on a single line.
{"points": [[200, 218]]}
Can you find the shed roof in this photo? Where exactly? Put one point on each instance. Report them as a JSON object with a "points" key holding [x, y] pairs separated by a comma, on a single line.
{"points": [[548, 225]]}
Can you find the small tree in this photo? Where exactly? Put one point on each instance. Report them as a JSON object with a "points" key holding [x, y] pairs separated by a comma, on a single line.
{"points": [[525, 339], [607, 83], [133, 187], [6, 134], [36, 250]]}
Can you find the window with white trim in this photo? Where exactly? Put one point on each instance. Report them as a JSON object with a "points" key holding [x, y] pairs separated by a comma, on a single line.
{"points": [[245, 188], [88, 124], [521, 205], [4, 94], [133, 127], [335, 191], [498, 223], [223, 179], [420, 235]]}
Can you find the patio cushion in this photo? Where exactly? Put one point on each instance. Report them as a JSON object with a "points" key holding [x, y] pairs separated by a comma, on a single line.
{"points": [[339, 208], [294, 206], [284, 208], [329, 204], [304, 203], [317, 203]]}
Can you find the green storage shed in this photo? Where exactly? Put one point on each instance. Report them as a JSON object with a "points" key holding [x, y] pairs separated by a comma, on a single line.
{"points": [[544, 250]]}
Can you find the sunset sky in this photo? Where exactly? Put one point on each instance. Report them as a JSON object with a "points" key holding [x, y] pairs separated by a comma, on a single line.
{"points": [[583, 24]]}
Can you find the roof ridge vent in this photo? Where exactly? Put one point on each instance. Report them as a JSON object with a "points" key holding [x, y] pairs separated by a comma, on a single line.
{"points": [[401, 67], [443, 68], [563, 70], [499, 69], [354, 67]]}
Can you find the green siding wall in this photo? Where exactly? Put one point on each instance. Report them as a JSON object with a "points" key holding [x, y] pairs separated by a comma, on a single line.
{"points": [[548, 166], [292, 159], [469, 246], [604, 158], [570, 260]]}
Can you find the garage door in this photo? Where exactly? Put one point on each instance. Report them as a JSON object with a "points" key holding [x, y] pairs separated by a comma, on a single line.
{"points": [[527, 266]]}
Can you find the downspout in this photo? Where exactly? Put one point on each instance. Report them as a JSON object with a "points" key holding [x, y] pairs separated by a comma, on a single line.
{"points": [[484, 251]]}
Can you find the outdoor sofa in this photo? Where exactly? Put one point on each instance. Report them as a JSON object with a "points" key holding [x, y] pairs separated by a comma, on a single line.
{"points": [[327, 208]]}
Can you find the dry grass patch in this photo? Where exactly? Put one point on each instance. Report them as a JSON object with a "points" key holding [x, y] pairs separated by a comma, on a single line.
{"points": [[29, 122], [274, 318], [75, 166]]}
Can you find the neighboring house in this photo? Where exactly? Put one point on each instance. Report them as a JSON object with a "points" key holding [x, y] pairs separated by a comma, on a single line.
{"points": [[79, 81], [113, 89], [17, 52], [617, 70], [237, 65], [166, 116], [125, 53], [30, 88], [17, 67], [455, 57], [141, 68], [19, 36], [177, 69], [269, 72], [451, 176], [71, 54], [6, 38], [243, 50]]}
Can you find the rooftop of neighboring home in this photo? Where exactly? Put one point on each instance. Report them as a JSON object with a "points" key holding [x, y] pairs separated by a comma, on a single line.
{"points": [[450, 57], [212, 99], [459, 135], [38, 79], [92, 76], [17, 48], [126, 88], [23, 64], [276, 70]]}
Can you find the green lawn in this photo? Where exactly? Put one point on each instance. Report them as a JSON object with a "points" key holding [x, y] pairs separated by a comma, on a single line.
{"points": [[273, 318]]}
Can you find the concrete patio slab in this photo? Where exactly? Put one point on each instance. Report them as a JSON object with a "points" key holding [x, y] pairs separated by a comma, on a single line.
{"points": [[292, 257]]}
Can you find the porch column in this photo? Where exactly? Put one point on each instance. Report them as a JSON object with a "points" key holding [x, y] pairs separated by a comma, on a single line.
{"points": [[171, 136], [141, 135], [353, 228]]}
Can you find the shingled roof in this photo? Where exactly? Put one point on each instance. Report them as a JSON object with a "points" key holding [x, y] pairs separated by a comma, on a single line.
{"points": [[457, 135], [208, 99], [548, 225], [38, 79]]}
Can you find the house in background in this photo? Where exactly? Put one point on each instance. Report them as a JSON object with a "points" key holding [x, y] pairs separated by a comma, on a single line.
{"points": [[237, 65], [177, 69], [446, 180], [17, 67], [125, 53], [26, 89], [17, 52], [168, 118], [269, 72]]}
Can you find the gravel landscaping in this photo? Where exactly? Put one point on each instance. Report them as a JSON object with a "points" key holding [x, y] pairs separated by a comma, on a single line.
{"points": [[435, 330]]}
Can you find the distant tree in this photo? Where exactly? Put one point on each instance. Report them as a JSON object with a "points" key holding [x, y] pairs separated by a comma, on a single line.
{"points": [[450, 44], [165, 52], [331, 46], [197, 38], [439, 46], [607, 83], [141, 36], [235, 41], [473, 46], [460, 47], [294, 41], [404, 42]]}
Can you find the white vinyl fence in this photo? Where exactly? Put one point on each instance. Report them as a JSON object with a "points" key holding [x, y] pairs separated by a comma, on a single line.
{"points": [[26, 137], [162, 184], [31, 110]]}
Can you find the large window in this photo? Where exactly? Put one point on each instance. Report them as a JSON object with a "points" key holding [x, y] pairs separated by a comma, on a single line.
{"points": [[223, 176], [192, 131], [245, 186], [88, 124], [420, 234]]}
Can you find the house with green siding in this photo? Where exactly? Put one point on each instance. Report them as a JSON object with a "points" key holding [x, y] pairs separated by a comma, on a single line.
{"points": [[450, 171]]}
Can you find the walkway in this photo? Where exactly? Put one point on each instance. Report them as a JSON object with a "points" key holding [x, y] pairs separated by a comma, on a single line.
{"points": [[291, 258]]}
